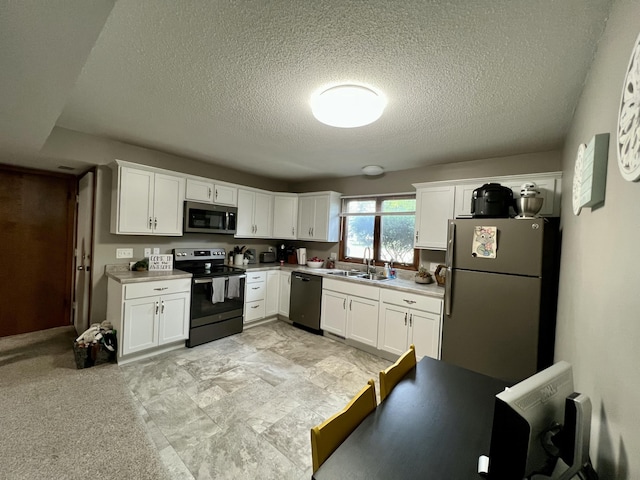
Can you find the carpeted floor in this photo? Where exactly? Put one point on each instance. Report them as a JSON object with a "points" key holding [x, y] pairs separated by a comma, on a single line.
{"points": [[57, 422]]}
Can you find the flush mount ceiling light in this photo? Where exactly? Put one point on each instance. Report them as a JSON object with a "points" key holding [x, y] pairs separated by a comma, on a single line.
{"points": [[347, 106], [372, 170]]}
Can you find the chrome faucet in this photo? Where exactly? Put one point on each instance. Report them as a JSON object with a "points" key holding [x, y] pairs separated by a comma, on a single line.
{"points": [[367, 261]]}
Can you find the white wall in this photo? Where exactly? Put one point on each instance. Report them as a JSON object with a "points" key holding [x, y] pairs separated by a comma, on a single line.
{"points": [[598, 325]]}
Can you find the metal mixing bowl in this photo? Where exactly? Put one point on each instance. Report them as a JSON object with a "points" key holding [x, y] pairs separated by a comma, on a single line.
{"points": [[529, 206]]}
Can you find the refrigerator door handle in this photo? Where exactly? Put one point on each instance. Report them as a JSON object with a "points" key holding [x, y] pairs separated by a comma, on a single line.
{"points": [[449, 261]]}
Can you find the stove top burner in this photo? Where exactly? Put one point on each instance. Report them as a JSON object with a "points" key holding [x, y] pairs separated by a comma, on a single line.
{"points": [[214, 271]]}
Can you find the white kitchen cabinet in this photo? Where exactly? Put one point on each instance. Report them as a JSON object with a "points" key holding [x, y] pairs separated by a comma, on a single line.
{"points": [[272, 296], [285, 216], [407, 319], [434, 208], [149, 314], [463, 197], [255, 214], [254, 298], [207, 191], [284, 293], [319, 216], [350, 310], [146, 202]]}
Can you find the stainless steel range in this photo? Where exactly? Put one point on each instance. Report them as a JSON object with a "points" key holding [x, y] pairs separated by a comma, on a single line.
{"points": [[217, 293]]}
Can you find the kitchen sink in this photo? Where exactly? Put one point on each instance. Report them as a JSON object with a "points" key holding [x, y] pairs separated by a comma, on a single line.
{"points": [[358, 274]]}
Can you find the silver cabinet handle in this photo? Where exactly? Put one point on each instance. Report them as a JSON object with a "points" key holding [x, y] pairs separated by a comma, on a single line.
{"points": [[255, 288], [160, 289], [293, 231], [150, 223], [157, 306], [410, 302], [410, 319], [155, 222], [256, 306], [405, 319], [216, 193], [350, 303], [344, 303], [417, 234], [209, 194], [162, 311]]}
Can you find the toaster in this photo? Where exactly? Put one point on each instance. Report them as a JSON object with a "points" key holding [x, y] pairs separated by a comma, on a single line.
{"points": [[267, 257]]}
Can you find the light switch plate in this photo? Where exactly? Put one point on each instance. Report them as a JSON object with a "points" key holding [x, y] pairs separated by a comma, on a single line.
{"points": [[124, 252], [147, 252]]}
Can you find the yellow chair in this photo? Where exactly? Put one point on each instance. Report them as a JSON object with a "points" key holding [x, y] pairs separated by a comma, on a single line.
{"points": [[328, 436], [390, 377]]}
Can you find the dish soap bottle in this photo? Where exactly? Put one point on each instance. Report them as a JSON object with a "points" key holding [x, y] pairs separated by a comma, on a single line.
{"points": [[387, 270]]}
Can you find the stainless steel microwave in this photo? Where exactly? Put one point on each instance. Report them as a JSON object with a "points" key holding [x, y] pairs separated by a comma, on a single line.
{"points": [[207, 218]]}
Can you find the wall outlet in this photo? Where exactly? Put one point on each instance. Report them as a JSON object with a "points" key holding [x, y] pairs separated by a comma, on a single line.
{"points": [[124, 252], [333, 256], [156, 251], [147, 252]]}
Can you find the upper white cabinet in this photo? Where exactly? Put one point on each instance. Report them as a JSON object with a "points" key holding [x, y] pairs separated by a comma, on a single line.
{"points": [[437, 202], [146, 202], [285, 216], [434, 207], [207, 191], [319, 216], [255, 214]]}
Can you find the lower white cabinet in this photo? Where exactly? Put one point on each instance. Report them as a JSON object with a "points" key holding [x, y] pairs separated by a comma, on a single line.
{"points": [[284, 293], [254, 299], [149, 314], [271, 295], [350, 310], [407, 319]]}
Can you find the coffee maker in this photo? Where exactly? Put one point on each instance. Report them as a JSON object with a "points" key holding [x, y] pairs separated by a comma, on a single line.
{"points": [[286, 253]]}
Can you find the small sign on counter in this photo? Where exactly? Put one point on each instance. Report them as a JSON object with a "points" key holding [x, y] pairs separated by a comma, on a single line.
{"points": [[160, 262]]}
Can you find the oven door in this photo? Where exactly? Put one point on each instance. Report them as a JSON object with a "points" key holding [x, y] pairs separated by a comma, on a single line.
{"points": [[204, 311], [203, 218]]}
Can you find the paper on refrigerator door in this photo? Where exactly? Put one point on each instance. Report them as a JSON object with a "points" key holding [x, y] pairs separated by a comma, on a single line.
{"points": [[485, 242]]}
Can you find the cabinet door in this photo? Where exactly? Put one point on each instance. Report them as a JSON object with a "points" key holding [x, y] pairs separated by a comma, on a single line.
{"points": [[263, 215], [168, 204], [285, 293], [285, 217], [244, 223], [174, 318], [199, 190], [333, 316], [463, 197], [135, 213], [272, 295], [434, 207], [320, 226], [425, 333], [225, 195], [394, 327], [362, 320], [306, 216], [140, 324]]}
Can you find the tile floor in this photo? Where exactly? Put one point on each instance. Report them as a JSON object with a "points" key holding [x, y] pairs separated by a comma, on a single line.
{"points": [[242, 407]]}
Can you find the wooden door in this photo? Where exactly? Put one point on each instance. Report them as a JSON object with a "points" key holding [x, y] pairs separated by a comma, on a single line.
{"points": [[36, 234]]}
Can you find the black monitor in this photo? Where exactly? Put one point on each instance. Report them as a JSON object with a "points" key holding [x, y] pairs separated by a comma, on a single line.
{"points": [[535, 423]]}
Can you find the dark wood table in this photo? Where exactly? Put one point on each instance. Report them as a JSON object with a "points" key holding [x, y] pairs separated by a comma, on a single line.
{"points": [[434, 425]]}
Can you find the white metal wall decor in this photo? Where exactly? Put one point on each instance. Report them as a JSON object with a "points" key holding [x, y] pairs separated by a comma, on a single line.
{"points": [[629, 119], [590, 173]]}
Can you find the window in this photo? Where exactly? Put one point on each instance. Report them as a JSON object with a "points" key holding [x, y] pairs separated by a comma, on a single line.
{"points": [[384, 224]]}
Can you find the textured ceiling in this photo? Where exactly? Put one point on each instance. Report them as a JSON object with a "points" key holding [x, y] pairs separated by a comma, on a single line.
{"points": [[229, 82]]}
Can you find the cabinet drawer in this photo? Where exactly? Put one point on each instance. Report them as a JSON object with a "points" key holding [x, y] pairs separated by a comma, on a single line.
{"points": [[351, 288], [410, 300], [256, 277], [254, 311], [255, 291], [150, 289]]}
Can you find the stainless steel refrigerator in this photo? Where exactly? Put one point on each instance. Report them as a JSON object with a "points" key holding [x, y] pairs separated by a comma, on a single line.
{"points": [[501, 295]]}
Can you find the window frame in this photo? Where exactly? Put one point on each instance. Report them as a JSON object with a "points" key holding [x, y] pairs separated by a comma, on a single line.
{"points": [[376, 253]]}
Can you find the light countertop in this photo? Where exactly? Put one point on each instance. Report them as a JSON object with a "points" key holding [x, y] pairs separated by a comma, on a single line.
{"points": [[404, 285], [121, 274]]}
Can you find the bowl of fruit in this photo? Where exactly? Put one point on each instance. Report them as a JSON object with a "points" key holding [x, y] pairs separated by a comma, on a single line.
{"points": [[315, 262]]}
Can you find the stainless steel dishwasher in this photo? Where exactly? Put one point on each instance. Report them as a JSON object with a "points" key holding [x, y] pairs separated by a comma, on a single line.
{"points": [[306, 298]]}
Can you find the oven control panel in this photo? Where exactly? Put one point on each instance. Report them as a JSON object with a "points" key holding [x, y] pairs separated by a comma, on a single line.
{"points": [[199, 253]]}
